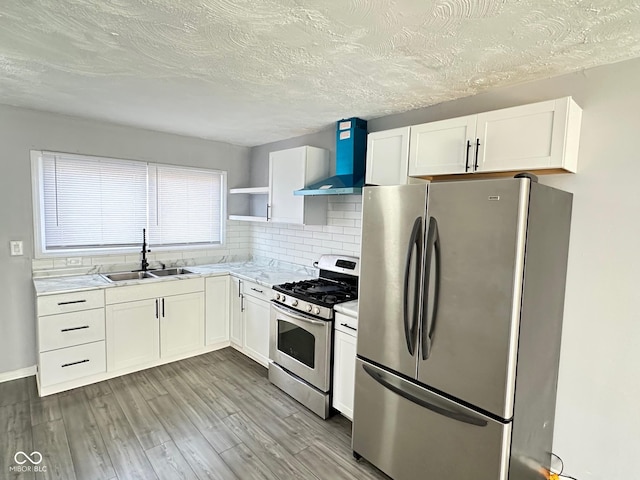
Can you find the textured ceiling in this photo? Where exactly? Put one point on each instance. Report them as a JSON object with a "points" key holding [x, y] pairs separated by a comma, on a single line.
{"points": [[250, 72]]}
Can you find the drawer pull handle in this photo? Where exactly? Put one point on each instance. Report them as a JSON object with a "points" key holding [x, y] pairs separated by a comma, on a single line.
{"points": [[256, 290], [72, 302], [74, 328], [75, 363], [349, 326]]}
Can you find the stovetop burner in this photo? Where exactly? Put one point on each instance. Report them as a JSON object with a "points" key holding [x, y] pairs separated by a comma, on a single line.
{"points": [[320, 290]]}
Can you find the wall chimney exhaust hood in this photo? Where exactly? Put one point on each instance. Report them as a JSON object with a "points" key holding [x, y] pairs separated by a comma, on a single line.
{"points": [[351, 149]]}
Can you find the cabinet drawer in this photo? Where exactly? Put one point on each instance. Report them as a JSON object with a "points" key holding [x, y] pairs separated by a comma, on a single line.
{"points": [[70, 302], [72, 363], [256, 290], [69, 329]]}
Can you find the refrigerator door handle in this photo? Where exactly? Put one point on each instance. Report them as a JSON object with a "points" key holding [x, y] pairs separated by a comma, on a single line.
{"points": [[414, 397], [433, 252], [414, 241]]}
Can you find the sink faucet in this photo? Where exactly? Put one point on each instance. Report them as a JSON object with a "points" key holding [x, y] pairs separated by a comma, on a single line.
{"points": [[144, 264]]}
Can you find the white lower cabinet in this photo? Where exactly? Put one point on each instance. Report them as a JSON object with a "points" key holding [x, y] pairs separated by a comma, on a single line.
{"points": [[344, 363], [217, 309], [256, 318], [71, 333], [133, 334], [235, 312], [72, 363], [181, 324], [250, 314], [149, 322], [90, 336]]}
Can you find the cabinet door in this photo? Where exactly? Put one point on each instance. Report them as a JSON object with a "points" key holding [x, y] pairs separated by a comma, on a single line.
{"points": [[256, 329], [388, 157], [522, 138], [286, 174], [236, 306], [181, 324], [344, 372], [217, 309], [132, 334], [444, 147]]}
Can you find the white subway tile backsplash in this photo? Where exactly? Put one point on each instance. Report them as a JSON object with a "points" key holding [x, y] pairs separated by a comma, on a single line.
{"points": [[342, 206], [322, 235], [344, 222], [343, 238], [332, 229], [332, 244], [313, 241], [351, 231], [303, 244]]}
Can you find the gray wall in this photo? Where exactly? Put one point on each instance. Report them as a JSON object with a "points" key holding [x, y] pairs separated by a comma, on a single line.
{"points": [[22, 130], [260, 155]]}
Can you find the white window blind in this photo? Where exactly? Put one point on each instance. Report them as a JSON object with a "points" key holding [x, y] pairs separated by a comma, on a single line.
{"points": [[93, 202], [185, 205], [102, 204]]}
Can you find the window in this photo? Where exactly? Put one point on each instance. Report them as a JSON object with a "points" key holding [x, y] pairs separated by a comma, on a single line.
{"points": [[96, 204]]}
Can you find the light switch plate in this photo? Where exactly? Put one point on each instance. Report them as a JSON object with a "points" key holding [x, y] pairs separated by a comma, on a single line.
{"points": [[16, 248]]}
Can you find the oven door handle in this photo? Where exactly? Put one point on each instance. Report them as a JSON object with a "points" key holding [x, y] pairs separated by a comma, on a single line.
{"points": [[296, 316]]}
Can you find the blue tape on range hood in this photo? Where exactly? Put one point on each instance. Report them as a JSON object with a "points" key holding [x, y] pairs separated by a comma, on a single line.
{"points": [[351, 146]]}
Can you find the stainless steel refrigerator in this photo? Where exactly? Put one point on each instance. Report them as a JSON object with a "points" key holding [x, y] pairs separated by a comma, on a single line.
{"points": [[460, 313]]}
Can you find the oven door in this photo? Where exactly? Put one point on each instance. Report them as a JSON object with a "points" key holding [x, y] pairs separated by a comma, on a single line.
{"points": [[302, 345]]}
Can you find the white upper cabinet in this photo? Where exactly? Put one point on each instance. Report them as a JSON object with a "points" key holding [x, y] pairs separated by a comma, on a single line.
{"points": [[444, 147], [539, 136], [387, 157], [291, 170]]}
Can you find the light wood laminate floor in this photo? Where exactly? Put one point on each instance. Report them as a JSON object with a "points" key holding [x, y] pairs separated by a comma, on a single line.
{"points": [[212, 416]]}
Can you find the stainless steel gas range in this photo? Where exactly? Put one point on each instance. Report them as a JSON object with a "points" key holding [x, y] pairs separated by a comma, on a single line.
{"points": [[301, 335]]}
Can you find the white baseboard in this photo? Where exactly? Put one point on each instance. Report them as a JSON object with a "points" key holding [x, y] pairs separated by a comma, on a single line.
{"points": [[14, 375]]}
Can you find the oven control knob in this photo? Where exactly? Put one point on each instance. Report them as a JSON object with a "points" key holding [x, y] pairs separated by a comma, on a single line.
{"points": [[294, 303], [277, 296], [316, 311], [283, 298], [309, 308]]}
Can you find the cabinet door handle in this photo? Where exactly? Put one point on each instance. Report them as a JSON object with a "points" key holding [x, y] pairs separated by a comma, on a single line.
{"points": [[74, 363], [239, 288], [163, 308], [256, 290], [475, 166], [242, 303], [466, 161], [157, 308], [268, 207], [349, 326], [71, 302], [74, 328]]}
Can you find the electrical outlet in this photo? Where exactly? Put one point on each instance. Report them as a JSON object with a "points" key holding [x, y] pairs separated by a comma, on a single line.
{"points": [[16, 248], [74, 261]]}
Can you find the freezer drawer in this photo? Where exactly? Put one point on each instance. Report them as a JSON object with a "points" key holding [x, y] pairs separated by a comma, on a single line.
{"points": [[409, 432]]}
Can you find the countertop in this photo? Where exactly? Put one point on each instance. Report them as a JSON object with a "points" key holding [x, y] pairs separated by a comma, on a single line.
{"points": [[348, 308], [266, 274]]}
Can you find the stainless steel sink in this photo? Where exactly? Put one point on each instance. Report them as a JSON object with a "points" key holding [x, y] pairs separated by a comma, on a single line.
{"points": [[119, 277], [165, 272], [170, 271]]}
